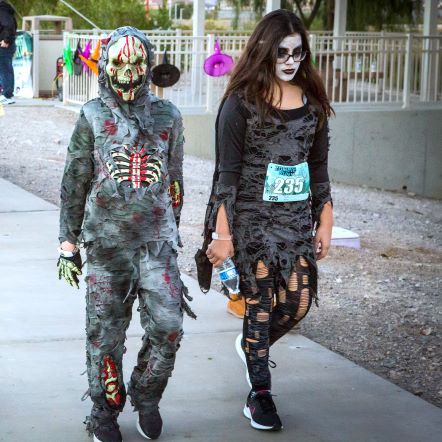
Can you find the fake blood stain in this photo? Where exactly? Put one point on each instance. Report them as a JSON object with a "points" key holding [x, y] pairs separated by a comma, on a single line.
{"points": [[100, 201], [166, 275], [110, 127], [92, 278], [142, 50], [137, 217], [164, 136], [157, 213], [172, 336]]}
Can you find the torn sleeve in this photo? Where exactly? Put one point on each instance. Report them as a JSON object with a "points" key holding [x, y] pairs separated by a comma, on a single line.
{"points": [[224, 194], [176, 154], [230, 140], [77, 178], [318, 168]]}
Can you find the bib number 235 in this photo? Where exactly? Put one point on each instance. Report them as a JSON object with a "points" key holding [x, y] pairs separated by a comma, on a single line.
{"points": [[286, 183]]}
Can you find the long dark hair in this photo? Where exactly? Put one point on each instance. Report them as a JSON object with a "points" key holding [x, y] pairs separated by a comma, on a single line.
{"points": [[254, 72]]}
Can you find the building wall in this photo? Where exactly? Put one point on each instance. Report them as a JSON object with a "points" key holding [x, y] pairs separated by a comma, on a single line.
{"points": [[50, 49], [391, 149]]}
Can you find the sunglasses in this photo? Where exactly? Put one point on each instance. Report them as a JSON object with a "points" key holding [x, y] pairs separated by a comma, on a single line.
{"points": [[284, 55]]}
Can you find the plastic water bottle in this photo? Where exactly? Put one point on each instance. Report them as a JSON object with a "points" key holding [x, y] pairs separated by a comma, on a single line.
{"points": [[229, 276]]}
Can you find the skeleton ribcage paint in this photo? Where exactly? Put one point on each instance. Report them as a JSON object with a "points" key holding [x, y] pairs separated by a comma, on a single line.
{"points": [[137, 168]]}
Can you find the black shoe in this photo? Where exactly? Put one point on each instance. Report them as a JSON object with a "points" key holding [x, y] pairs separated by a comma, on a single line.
{"points": [[104, 426], [150, 424], [261, 411]]}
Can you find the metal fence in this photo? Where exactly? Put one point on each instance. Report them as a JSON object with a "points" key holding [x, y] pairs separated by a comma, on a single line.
{"points": [[380, 69], [394, 69]]}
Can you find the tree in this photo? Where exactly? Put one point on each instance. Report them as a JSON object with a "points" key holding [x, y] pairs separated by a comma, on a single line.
{"points": [[159, 19], [302, 6], [258, 7], [314, 9], [187, 10], [106, 14], [33, 7], [237, 6], [362, 15], [381, 15]]}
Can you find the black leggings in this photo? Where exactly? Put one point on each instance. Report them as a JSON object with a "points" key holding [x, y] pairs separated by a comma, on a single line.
{"points": [[265, 323]]}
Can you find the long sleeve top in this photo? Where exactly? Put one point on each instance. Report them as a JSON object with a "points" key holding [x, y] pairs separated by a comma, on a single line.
{"points": [[262, 229], [231, 136]]}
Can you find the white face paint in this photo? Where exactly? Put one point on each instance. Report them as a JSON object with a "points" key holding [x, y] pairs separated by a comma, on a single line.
{"points": [[286, 69]]}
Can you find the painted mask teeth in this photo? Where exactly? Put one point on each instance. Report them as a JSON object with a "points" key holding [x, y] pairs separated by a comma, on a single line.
{"points": [[126, 87]]}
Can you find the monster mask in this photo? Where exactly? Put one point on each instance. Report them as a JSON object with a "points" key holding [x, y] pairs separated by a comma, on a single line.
{"points": [[127, 67]]}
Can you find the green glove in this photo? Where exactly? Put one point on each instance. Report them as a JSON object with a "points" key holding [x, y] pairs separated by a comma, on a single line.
{"points": [[69, 268]]}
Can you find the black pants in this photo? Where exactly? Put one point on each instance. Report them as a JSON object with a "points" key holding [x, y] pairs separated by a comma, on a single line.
{"points": [[6, 71], [266, 321]]}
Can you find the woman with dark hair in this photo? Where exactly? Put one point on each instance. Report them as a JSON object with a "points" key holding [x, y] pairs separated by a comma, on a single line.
{"points": [[271, 191]]}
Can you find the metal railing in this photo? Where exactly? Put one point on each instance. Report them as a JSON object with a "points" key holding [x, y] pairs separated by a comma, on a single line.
{"points": [[387, 69], [394, 69], [195, 91], [78, 89]]}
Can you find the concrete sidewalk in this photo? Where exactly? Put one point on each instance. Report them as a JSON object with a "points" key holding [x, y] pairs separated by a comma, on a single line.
{"points": [[320, 396]]}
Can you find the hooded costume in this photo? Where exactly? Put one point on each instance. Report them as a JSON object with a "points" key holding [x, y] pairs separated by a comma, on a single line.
{"points": [[121, 195]]}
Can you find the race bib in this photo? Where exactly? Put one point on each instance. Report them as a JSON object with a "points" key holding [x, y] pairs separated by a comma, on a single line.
{"points": [[287, 183]]}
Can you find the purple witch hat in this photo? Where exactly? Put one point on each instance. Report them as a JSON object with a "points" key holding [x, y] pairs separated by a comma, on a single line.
{"points": [[86, 53], [218, 64]]}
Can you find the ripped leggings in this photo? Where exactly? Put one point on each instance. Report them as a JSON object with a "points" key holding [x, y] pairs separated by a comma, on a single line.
{"points": [[265, 323]]}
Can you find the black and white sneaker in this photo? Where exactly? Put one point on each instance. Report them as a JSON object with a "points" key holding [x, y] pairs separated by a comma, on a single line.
{"points": [[107, 434], [5, 100], [104, 426], [150, 424], [261, 411], [240, 350]]}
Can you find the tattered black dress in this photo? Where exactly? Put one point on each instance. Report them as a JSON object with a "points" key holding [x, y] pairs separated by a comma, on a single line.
{"points": [[276, 233]]}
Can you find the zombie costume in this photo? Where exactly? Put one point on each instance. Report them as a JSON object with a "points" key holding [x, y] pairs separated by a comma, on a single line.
{"points": [[122, 195], [272, 180]]}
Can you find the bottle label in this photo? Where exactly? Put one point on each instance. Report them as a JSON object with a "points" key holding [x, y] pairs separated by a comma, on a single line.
{"points": [[227, 274]]}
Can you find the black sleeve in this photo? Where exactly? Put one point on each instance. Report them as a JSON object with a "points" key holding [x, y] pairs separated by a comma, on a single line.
{"points": [[318, 168], [231, 133], [8, 26], [231, 128], [318, 156]]}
